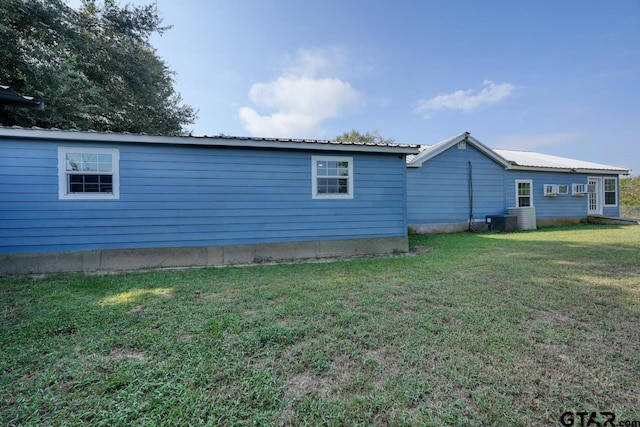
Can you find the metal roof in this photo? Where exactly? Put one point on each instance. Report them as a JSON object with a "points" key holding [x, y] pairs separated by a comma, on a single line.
{"points": [[9, 97], [514, 159], [218, 140], [528, 159]]}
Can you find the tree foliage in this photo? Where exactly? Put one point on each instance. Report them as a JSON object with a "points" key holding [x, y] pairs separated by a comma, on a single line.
{"points": [[368, 137], [94, 67], [630, 191]]}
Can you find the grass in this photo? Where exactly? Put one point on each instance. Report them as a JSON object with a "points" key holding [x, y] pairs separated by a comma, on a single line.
{"points": [[483, 329]]}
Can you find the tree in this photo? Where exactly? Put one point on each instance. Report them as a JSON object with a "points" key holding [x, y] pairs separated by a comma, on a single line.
{"points": [[630, 191], [368, 138], [94, 67]]}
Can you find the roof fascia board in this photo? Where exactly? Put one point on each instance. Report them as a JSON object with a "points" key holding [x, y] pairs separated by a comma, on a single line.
{"points": [[419, 161], [572, 170], [205, 141], [454, 141]]}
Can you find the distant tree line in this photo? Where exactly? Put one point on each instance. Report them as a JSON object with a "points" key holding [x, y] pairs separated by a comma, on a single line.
{"points": [[94, 67], [368, 137], [630, 191]]}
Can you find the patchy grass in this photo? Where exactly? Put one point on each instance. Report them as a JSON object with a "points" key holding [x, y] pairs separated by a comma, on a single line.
{"points": [[484, 329]]}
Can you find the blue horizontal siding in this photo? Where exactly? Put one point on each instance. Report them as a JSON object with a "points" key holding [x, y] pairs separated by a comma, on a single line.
{"points": [[560, 206], [438, 192], [166, 221], [193, 196]]}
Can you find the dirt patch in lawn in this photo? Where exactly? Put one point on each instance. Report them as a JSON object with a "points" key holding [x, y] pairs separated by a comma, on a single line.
{"points": [[119, 355], [136, 309]]}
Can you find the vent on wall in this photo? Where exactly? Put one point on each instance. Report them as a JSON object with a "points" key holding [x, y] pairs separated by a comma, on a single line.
{"points": [[462, 145]]}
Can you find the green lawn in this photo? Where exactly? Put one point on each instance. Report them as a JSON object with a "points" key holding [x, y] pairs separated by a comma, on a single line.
{"points": [[480, 329]]}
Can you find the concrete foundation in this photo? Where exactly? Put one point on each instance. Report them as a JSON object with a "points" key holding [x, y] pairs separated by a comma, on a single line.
{"points": [[477, 225], [544, 222], [135, 259]]}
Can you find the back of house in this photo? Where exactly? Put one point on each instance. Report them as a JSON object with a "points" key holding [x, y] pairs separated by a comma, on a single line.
{"points": [[460, 182]]}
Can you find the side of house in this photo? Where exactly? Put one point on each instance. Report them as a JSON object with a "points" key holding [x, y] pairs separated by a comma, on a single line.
{"points": [[455, 184], [89, 201], [452, 183]]}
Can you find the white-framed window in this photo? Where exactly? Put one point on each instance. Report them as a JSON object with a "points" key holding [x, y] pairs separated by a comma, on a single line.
{"points": [[524, 193], [578, 189], [332, 177], [611, 192], [88, 173], [563, 189]]}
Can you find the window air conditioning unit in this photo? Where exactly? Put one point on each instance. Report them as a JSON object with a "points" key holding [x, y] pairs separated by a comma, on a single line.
{"points": [[550, 190], [578, 189]]}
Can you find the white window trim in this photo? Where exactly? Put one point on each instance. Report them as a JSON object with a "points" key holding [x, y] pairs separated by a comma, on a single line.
{"points": [[314, 177], [604, 187], [530, 182], [63, 193]]}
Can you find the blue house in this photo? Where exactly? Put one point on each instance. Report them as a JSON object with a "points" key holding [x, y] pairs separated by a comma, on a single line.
{"points": [[455, 184], [83, 201]]}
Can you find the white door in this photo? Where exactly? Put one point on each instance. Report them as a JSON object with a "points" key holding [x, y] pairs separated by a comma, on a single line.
{"points": [[594, 199]]}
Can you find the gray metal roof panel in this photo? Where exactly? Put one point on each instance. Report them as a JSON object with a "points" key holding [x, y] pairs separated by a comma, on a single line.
{"points": [[515, 159], [217, 140]]}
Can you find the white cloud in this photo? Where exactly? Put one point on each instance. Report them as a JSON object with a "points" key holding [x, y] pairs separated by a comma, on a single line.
{"points": [[466, 100], [311, 63], [297, 102]]}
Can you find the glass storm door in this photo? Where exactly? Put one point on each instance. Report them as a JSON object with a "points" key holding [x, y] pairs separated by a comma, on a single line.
{"points": [[594, 199]]}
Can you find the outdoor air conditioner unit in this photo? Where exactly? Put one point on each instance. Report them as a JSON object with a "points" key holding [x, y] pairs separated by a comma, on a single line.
{"points": [[504, 223], [526, 217]]}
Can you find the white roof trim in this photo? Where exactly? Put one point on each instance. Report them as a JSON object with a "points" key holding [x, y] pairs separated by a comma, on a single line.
{"points": [[572, 170], [502, 157], [207, 141], [435, 150]]}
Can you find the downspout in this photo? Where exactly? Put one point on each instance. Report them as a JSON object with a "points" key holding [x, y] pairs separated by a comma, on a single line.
{"points": [[470, 196]]}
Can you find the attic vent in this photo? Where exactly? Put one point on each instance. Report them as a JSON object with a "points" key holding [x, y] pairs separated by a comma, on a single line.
{"points": [[462, 145]]}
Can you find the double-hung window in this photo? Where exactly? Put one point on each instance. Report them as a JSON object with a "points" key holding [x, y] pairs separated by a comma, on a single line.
{"points": [[610, 192], [332, 177], [88, 173], [524, 195]]}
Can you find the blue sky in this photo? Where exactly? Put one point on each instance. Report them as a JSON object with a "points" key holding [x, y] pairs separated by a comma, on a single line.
{"points": [[558, 77]]}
